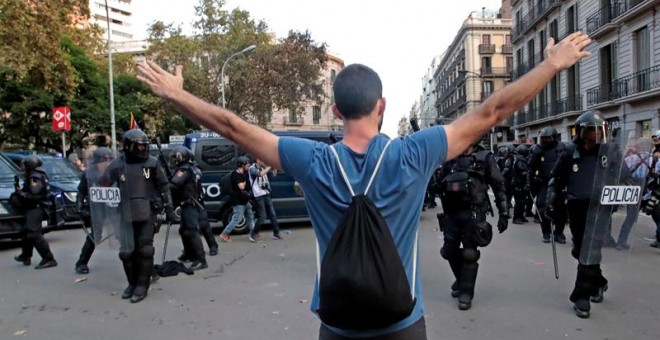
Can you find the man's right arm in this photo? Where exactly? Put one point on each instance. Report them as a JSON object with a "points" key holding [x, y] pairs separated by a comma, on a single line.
{"points": [[503, 103]]}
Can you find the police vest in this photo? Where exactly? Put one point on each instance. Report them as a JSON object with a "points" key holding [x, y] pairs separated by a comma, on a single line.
{"points": [[466, 182], [544, 160]]}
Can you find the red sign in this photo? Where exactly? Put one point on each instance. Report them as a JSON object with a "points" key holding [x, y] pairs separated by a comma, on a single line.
{"points": [[61, 119]]}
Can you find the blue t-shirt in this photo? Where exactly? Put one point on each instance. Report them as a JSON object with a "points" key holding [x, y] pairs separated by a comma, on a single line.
{"points": [[397, 191]]}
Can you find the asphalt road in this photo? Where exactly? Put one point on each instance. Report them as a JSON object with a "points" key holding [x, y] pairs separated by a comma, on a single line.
{"points": [[263, 291]]}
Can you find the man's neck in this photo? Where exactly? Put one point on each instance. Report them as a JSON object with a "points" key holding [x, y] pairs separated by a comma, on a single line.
{"points": [[358, 134]]}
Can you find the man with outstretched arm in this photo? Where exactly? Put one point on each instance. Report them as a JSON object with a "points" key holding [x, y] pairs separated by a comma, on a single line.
{"points": [[410, 161]]}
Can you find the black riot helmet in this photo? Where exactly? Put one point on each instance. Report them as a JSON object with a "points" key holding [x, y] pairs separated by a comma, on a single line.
{"points": [[242, 161], [101, 155], [180, 155], [591, 121], [522, 150], [503, 151], [548, 137], [136, 144], [30, 163]]}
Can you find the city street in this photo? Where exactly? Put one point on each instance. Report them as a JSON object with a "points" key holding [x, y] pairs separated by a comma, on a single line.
{"points": [[263, 291]]}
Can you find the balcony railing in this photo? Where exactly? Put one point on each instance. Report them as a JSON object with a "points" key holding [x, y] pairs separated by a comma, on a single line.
{"points": [[536, 13], [605, 15], [293, 121], [486, 48], [494, 71], [507, 49], [548, 110], [642, 81]]}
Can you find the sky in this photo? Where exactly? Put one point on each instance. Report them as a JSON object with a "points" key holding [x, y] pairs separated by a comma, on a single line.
{"points": [[398, 39]]}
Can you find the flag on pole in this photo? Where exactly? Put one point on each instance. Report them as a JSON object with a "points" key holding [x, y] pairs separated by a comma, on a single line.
{"points": [[134, 124]]}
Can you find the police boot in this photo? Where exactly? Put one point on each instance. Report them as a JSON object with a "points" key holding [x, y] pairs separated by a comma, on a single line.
{"points": [[139, 294], [584, 287], [129, 270], [143, 274], [468, 278], [24, 259], [81, 268], [46, 263], [197, 265], [456, 265], [582, 308]]}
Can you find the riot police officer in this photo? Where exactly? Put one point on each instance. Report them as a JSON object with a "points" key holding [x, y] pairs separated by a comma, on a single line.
{"points": [[464, 196], [506, 166], [187, 192], [90, 177], [542, 158], [574, 172], [34, 202], [145, 191], [520, 184]]}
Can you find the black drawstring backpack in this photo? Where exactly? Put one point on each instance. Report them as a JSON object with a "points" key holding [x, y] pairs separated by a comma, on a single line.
{"points": [[362, 281]]}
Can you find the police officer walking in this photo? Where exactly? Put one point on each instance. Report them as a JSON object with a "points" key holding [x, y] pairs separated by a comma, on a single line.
{"points": [[520, 184], [187, 192], [541, 161], [465, 202], [90, 177], [145, 191], [574, 172], [34, 202]]}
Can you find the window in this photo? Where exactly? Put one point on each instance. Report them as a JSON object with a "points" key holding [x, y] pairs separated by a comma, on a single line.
{"points": [[507, 39], [333, 75], [488, 88], [642, 58], [316, 114], [485, 39], [530, 53], [519, 57], [571, 20], [608, 63], [554, 30], [219, 154], [293, 117], [509, 64], [486, 65], [542, 43]]}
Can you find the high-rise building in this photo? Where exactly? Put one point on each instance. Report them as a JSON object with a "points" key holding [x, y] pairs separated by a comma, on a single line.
{"points": [[621, 78], [477, 63], [120, 17]]}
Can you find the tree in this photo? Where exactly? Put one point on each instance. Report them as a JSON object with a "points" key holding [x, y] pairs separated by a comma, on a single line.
{"points": [[278, 75]]}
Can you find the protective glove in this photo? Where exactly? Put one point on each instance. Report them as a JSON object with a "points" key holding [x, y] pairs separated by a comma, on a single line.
{"points": [[171, 216], [160, 219], [502, 223]]}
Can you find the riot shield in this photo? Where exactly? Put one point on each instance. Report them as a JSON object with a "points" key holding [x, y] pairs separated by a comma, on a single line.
{"points": [[110, 220], [617, 192]]}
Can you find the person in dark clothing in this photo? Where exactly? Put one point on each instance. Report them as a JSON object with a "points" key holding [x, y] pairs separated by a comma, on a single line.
{"points": [[574, 172], [506, 166], [187, 192], [34, 202], [520, 184], [90, 177], [240, 196], [541, 161], [465, 203], [145, 191]]}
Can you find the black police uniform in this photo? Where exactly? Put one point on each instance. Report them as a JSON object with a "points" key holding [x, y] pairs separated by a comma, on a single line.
{"points": [[541, 161], [34, 202], [144, 189], [186, 192], [90, 176], [462, 214], [205, 228], [506, 166], [520, 184]]}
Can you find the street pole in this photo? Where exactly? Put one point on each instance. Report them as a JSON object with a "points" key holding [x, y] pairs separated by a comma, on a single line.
{"points": [[248, 49], [112, 96], [481, 79]]}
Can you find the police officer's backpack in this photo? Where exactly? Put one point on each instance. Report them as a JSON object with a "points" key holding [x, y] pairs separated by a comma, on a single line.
{"points": [[465, 182], [362, 281]]}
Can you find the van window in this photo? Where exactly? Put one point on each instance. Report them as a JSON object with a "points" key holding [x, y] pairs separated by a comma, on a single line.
{"points": [[218, 154]]}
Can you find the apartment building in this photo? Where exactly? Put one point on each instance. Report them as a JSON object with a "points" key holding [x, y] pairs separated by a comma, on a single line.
{"points": [[120, 18], [313, 117], [621, 79], [477, 63], [427, 111]]}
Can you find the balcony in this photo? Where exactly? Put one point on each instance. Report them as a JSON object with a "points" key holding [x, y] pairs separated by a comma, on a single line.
{"points": [[533, 16], [548, 110], [607, 18], [293, 121], [636, 83], [494, 72], [486, 48], [507, 49]]}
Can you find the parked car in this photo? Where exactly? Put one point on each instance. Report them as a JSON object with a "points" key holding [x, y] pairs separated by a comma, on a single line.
{"points": [[64, 177], [217, 156]]}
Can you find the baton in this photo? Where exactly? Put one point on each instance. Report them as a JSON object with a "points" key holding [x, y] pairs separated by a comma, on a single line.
{"points": [[552, 235], [167, 236]]}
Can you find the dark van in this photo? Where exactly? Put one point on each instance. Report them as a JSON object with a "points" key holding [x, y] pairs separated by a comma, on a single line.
{"points": [[217, 156]]}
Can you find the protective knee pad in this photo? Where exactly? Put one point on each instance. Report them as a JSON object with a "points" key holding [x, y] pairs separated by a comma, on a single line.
{"points": [[471, 255], [147, 251], [449, 253], [124, 256]]}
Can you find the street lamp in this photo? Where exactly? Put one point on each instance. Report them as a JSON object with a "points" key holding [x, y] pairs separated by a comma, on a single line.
{"points": [[110, 86], [248, 49]]}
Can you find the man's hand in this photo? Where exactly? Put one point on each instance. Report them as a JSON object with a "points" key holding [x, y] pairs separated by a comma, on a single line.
{"points": [[162, 83], [568, 51]]}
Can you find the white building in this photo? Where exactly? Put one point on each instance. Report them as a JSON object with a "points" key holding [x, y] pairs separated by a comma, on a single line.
{"points": [[121, 18]]}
